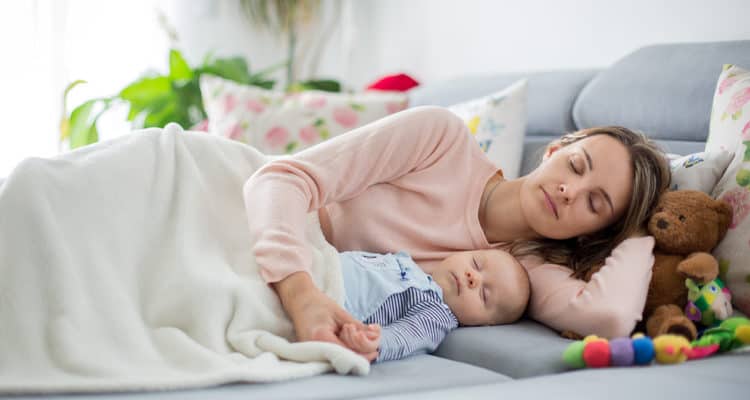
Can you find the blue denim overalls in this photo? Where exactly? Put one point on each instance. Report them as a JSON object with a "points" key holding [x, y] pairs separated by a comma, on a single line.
{"points": [[370, 278]]}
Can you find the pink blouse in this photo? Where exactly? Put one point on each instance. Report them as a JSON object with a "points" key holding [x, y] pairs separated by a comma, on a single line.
{"points": [[412, 182]]}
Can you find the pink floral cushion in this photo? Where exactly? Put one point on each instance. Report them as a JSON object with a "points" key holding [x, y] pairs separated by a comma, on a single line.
{"points": [[279, 123], [730, 130]]}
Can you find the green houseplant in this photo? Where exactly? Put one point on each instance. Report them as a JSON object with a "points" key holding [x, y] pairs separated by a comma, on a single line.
{"points": [[157, 99]]}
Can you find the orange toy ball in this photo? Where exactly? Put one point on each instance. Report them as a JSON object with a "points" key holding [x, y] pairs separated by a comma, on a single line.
{"points": [[596, 354]]}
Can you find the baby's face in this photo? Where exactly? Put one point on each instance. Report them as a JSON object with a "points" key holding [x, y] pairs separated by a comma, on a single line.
{"points": [[483, 287]]}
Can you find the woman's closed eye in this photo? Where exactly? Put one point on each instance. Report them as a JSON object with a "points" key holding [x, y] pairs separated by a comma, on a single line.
{"points": [[576, 166], [579, 170], [591, 204]]}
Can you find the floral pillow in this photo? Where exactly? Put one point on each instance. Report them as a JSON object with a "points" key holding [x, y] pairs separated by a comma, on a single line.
{"points": [[699, 171], [730, 129], [279, 123], [498, 122]]}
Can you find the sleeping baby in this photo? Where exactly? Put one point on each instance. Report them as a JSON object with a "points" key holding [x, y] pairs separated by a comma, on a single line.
{"points": [[415, 310]]}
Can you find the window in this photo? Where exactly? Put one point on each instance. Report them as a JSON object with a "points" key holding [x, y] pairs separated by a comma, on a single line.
{"points": [[48, 43]]}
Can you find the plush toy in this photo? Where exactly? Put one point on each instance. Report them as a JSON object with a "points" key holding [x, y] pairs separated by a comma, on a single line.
{"points": [[671, 349], [729, 335], [708, 304], [686, 224]]}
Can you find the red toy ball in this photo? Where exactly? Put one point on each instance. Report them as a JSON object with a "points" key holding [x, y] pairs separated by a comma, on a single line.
{"points": [[596, 354]]}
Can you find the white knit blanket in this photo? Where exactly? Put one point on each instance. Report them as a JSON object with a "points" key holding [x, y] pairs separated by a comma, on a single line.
{"points": [[126, 265]]}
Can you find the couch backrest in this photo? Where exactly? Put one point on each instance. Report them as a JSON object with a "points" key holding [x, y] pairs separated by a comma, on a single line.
{"points": [[665, 91]]}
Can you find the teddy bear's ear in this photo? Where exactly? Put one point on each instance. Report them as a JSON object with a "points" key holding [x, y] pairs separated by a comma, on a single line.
{"points": [[724, 213]]}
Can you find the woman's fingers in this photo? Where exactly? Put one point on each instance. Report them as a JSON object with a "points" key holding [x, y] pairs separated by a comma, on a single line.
{"points": [[326, 335], [343, 318]]}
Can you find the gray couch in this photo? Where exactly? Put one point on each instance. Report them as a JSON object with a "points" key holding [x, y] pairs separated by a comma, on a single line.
{"points": [[664, 91]]}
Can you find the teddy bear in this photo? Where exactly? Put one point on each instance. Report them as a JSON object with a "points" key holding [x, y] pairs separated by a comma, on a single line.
{"points": [[686, 226]]}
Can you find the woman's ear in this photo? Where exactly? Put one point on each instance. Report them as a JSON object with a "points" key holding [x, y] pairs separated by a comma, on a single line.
{"points": [[550, 150]]}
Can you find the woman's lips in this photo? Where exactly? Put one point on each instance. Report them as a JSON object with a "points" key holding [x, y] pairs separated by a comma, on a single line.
{"points": [[458, 283], [550, 203]]}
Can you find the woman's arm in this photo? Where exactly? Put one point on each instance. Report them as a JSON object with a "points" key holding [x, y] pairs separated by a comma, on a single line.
{"points": [[609, 305], [279, 196]]}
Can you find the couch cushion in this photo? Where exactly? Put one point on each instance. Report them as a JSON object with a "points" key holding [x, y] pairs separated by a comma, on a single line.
{"points": [[663, 90], [550, 95], [519, 350], [720, 377], [423, 372]]}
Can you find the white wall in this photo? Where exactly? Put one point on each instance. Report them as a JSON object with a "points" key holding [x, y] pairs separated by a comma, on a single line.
{"points": [[436, 39], [48, 43]]}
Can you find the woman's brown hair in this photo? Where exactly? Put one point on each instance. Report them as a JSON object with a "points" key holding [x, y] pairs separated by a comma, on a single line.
{"points": [[651, 177]]}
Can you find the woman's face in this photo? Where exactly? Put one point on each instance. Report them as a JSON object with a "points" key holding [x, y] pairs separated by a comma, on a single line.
{"points": [[578, 189]]}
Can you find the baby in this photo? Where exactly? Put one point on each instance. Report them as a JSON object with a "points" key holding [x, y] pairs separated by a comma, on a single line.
{"points": [[415, 310]]}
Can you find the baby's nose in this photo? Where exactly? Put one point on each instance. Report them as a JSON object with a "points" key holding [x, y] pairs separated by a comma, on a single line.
{"points": [[471, 280]]}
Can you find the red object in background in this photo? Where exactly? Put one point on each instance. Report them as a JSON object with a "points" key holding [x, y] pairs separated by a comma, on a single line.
{"points": [[395, 83]]}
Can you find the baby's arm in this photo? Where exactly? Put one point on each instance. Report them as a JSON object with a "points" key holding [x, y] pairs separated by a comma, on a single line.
{"points": [[421, 330]]}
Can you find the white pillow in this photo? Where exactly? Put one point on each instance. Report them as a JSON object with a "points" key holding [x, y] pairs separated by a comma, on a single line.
{"points": [[279, 123], [730, 129], [498, 122], [699, 171]]}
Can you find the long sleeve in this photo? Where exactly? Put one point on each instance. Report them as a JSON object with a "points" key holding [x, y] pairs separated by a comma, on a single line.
{"points": [[279, 195], [424, 322], [609, 305]]}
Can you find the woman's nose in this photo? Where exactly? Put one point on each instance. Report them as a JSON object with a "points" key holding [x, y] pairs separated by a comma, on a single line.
{"points": [[471, 279], [567, 192]]}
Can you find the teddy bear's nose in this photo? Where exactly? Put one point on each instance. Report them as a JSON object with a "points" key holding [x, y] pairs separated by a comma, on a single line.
{"points": [[662, 224]]}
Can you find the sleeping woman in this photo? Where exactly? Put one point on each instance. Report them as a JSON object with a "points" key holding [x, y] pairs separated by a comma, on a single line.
{"points": [[417, 181]]}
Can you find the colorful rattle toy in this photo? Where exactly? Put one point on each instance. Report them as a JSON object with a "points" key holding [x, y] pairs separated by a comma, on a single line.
{"points": [[708, 304], [596, 352]]}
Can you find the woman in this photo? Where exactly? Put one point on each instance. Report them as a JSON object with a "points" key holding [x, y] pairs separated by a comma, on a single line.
{"points": [[417, 181]]}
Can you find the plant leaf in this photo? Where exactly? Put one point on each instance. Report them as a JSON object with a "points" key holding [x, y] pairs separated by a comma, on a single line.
{"points": [[64, 120], [82, 123], [178, 68], [328, 85], [234, 68], [161, 116], [145, 91]]}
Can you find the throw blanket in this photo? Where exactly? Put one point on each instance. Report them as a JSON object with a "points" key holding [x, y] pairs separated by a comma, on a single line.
{"points": [[126, 265]]}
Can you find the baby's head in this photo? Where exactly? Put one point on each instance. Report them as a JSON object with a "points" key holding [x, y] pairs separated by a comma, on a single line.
{"points": [[483, 287]]}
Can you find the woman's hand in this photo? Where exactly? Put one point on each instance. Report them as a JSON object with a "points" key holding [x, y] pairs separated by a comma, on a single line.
{"points": [[316, 317]]}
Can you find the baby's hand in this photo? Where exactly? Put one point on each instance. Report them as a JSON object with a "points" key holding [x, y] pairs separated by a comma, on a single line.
{"points": [[365, 342]]}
